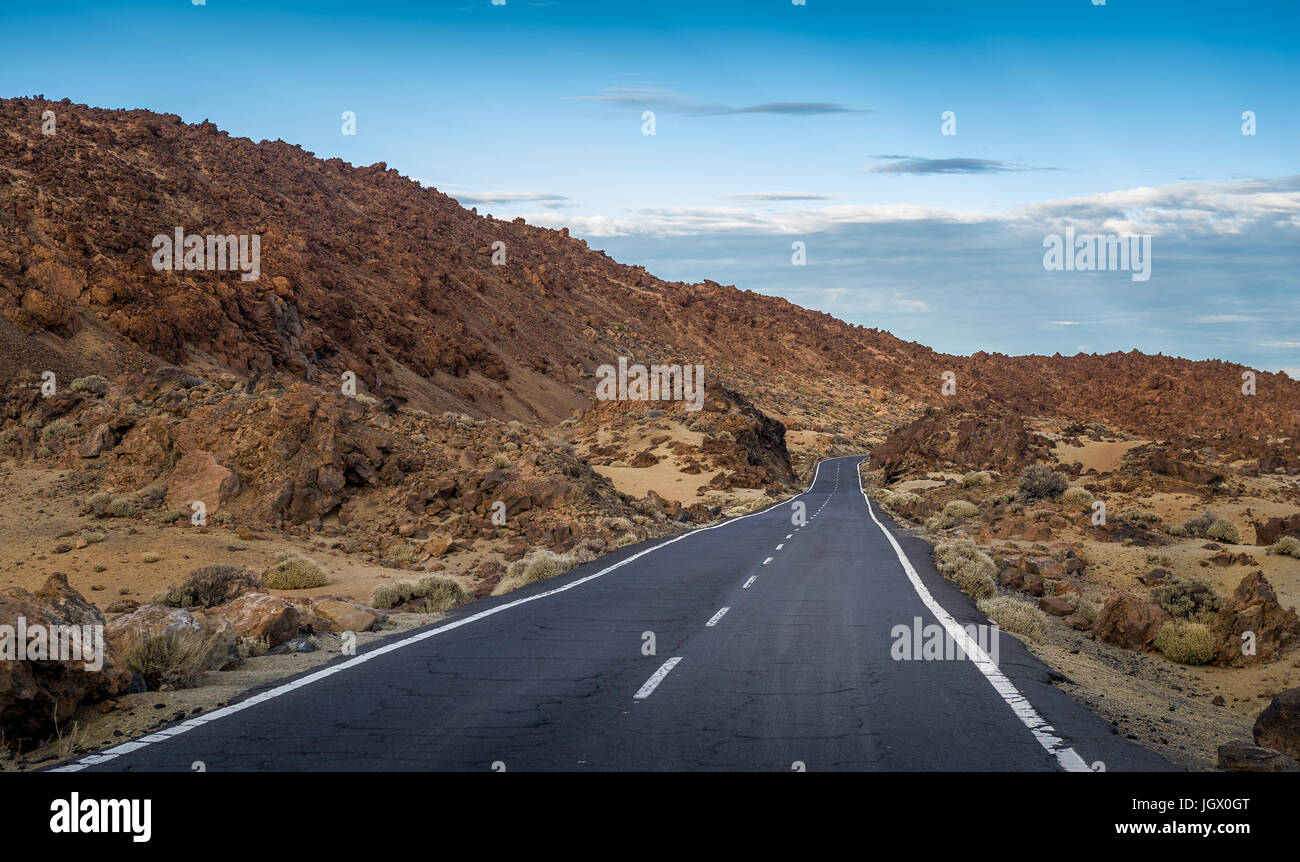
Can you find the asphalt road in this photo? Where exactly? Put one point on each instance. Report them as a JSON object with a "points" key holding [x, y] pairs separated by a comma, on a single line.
{"points": [[798, 672]]}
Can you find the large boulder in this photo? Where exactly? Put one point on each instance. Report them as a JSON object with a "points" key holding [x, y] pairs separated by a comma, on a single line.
{"points": [[1253, 607], [260, 616], [149, 621], [1278, 726], [1129, 622], [348, 616], [37, 693], [1239, 756], [199, 477], [1269, 531]]}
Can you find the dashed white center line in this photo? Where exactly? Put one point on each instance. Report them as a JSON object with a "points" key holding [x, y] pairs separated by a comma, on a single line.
{"points": [[653, 682], [790, 536], [768, 560], [716, 617], [749, 583], [780, 546]]}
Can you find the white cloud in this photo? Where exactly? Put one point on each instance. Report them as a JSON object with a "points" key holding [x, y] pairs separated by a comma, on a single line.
{"points": [[1225, 318], [1200, 209]]}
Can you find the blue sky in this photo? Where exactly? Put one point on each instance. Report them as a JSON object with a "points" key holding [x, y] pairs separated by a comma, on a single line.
{"points": [[777, 123]]}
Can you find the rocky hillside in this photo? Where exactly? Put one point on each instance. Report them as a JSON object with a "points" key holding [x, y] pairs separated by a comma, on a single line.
{"points": [[364, 270]]}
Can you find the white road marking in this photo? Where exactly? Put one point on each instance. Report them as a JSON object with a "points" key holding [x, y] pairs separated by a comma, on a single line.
{"points": [[749, 583], [768, 560], [792, 534], [1045, 734], [716, 617], [653, 682], [780, 546], [325, 673]]}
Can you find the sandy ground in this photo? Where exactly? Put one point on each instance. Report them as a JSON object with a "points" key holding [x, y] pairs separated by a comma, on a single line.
{"points": [[1102, 456], [34, 521]]}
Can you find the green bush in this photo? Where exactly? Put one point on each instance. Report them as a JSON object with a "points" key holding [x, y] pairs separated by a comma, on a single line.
{"points": [[1186, 643], [1187, 599], [1038, 482], [294, 572]]}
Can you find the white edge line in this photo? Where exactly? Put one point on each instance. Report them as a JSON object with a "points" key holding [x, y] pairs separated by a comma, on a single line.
{"points": [[719, 615], [657, 677], [1066, 756], [323, 673]]}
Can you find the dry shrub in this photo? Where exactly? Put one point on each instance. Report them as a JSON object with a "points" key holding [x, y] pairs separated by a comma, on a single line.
{"points": [[1016, 616], [210, 586], [434, 594], [953, 514], [175, 658], [1186, 643], [1224, 530], [1078, 498], [294, 572], [1187, 599], [541, 565], [968, 567], [1287, 545], [1038, 482]]}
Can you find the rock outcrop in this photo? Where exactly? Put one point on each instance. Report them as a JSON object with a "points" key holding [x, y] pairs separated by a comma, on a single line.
{"points": [[39, 694]]}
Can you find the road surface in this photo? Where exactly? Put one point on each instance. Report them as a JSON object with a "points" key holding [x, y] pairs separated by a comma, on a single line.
{"points": [[774, 648]]}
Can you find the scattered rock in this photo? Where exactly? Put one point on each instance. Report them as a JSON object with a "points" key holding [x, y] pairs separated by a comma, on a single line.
{"points": [[1153, 577], [1239, 756], [347, 616], [1278, 726], [1055, 606], [1129, 622], [260, 616], [35, 694], [1253, 608]]}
